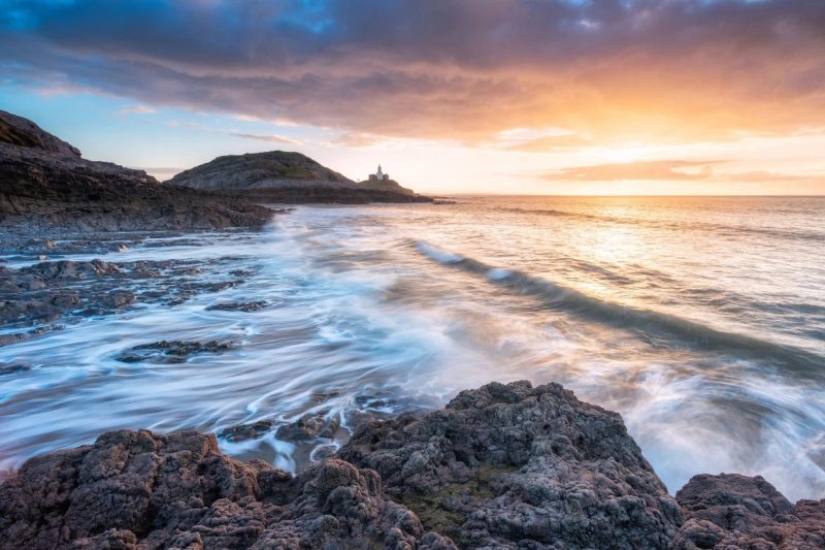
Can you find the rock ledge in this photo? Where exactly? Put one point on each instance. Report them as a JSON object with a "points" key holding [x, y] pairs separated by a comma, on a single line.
{"points": [[504, 466]]}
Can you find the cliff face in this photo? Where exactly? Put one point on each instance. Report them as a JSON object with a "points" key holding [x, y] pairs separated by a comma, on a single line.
{"points": [[15, 130], [503, 466], [45, 183], [285, 177]]}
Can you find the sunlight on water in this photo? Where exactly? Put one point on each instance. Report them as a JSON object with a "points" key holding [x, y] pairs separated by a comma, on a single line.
{"points": [[702, 321]]}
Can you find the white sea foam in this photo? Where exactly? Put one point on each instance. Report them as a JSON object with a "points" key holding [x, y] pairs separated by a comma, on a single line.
{"points": [[358, 320], [440, 256]]}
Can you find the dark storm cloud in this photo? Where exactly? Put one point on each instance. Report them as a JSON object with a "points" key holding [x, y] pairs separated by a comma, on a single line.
{"points": [[458, 69]]}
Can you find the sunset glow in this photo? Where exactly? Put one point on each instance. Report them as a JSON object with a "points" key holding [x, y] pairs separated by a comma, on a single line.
{"points": [[552, 97]]}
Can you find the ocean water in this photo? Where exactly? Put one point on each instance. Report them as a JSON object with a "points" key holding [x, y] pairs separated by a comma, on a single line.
{"points": [[700, 320]]}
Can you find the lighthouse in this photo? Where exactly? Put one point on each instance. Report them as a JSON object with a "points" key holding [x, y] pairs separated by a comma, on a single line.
{"points": [[379, 175]]}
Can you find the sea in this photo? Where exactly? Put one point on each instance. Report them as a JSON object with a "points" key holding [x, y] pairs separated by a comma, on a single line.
{"points": [[701, 320]]}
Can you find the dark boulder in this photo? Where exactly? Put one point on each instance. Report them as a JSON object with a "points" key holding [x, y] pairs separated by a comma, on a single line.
{"points": [[173, 351], [512, 466], [731, 511], [142, 490], [504, 466]]}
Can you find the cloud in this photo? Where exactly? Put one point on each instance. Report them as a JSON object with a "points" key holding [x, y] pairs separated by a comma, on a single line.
{"points": [[269, 138], [765, 176], [356, 139], [651, 170], [138, 110], [550, 143], [459, 69]]}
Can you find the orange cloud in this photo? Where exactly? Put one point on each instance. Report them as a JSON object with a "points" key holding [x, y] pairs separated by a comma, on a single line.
{"points": [[651, 170], [458, 69]]}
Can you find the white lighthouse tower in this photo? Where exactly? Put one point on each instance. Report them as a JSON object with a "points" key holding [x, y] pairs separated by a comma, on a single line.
{"points": [[379, 175]]}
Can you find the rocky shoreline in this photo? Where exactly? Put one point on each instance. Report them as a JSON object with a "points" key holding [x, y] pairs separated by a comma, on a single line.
{"points": [[45, 185], [46, 295], [503, 466]]}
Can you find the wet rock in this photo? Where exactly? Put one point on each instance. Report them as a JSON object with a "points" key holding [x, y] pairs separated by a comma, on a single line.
{"points": [[309, 427], [512, 466], [174, 351], [49, 290], [118, 299], [243, 432], [246, 307], [143, 490], [6, 339], [731, 511], [70, 270], [14, 368], [323, 452], [504, 466]]}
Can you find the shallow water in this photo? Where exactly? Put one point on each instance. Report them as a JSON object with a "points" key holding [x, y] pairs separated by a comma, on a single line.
{"points": [[701, 320]]}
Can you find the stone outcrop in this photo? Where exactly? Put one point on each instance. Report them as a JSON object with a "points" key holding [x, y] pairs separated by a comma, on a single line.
{"points": [[731, 511], [45, 291], [504, 466], [65, 291], [45, 183], [512, 466], [135, 490], [174, 351], [286, 177]]}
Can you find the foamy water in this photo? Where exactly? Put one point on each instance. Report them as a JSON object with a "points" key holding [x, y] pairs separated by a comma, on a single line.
{"points": [[702, 321]]}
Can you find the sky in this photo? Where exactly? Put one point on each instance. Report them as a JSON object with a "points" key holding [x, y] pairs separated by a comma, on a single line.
{"points": [[576, 97]]}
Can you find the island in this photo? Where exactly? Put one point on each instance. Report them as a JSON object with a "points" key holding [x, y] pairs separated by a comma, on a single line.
{"points": [[282, 177]]}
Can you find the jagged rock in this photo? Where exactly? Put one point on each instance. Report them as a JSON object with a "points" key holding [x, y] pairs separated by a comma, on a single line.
{"points": [[14, 368], [174, 351], [44, 183], [70, 290], [286, 177], [242, 432], [43, 291], [39, 292], [731, 511], [118, 299], [512, 466], [142, 490], [504, 466], [246, 307], [309, 426], [46, 272]]}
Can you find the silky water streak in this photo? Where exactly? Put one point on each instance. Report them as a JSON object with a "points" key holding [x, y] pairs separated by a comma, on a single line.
{"points": [[700, 320]]}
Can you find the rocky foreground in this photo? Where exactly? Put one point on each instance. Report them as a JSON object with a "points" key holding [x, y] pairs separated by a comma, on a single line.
{"points": [[504, 466], [45, 184]]}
